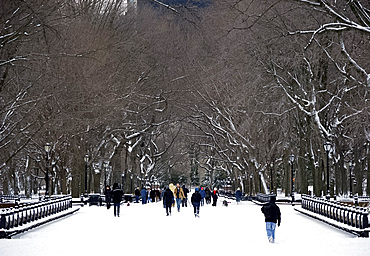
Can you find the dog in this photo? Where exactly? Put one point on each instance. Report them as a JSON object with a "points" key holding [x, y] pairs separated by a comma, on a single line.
{"points": [[225, 203]]}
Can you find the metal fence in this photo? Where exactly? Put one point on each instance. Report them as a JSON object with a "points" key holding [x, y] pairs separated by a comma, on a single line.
{"points": [[356, 217], [31, 212]]}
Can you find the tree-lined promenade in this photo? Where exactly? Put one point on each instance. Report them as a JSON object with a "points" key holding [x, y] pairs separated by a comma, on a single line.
{"points": [[156, 92]]}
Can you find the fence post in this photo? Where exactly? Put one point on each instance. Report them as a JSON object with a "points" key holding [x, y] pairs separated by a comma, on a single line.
{"points": [[3, 219]]}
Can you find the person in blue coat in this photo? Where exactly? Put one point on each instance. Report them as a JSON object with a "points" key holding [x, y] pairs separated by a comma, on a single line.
{"points": [[203, 195], [238, 195], [143, 195]]}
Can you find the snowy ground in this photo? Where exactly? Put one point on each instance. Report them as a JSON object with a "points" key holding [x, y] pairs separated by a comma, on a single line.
{"points": [[145, 229]]}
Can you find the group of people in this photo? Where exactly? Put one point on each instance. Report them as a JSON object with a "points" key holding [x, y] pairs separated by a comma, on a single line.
{"points": [[179, 195], [147, 195], [114, 195]]}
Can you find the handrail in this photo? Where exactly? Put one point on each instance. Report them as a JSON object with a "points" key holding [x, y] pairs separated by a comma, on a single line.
{"points": [[352, 216], [14, 217]]}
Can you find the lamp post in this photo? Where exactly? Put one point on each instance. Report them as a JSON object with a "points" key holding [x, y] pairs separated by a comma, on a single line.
{"points": [[250, 184], [47, 149], [291, 160], [327, 147], [271, 183], [350, 178], [105, 164], [123, 182], [86, 158], [131, 176]]}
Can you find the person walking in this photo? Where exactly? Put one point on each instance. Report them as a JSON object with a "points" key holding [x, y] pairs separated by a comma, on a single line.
{"points": [[272, 216], [148, 198], [117, 194], [196, 198], [152, 195], [143, 195], [214, 197], [208, 195], [168, 200], [185, 200], [203, 195], [179, 195], [107, 194], [238, 195], [137, 195]]}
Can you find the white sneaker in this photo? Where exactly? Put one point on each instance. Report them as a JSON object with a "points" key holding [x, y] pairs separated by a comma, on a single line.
{"points": [[271, 239]]}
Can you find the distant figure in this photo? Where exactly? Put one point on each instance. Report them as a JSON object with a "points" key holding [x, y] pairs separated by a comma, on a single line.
{"points": [[152, 194], [238, 195], [148, 198], [137, 195], [203, 195], [107, 194], [143, 195], [214, 197], [196, 198], [117, 194], [185, 200], [168, 200], [272, 216], [208, 195]]}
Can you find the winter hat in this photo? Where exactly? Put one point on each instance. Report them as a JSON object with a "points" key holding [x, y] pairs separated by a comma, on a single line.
{"points": [[272, 198], [196, 189]]}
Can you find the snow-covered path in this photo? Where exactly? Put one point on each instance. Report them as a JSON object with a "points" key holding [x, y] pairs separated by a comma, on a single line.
{"points": [[144, 229]]}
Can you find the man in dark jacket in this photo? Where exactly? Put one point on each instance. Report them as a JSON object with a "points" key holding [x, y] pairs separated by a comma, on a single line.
{"points": [[185, 200], [137, 194], [117, 194], [272, 216], [168, 200], [195, 201]]}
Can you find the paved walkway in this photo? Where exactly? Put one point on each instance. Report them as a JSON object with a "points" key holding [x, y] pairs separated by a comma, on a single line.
{"points": [[144, 229]]}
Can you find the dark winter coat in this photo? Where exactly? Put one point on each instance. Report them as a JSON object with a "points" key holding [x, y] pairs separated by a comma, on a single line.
{"points": [[108, 193], [117, 194], [168, 197], [238, 195], [208, 193], [152, 194], [137, 192], [196, 198], [272, 213], [186, 191]]}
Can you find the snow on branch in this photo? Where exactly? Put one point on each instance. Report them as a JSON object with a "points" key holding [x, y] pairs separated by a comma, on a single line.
{"points": [[165, 5]]}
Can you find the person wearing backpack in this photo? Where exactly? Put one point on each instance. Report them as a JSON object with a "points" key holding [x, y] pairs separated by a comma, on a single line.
{"points": [[272, 216]]}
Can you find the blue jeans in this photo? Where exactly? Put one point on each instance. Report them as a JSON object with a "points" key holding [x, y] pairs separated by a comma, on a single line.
{"points": [[178, 202], [196, 207], [116, 208], [270, 228]]}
